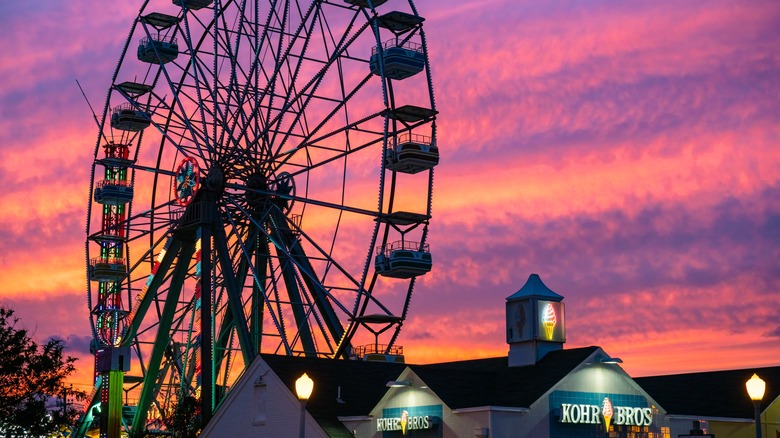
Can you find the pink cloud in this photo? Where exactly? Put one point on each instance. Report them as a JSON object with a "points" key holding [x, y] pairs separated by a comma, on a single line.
{"points": [[626, 152]]}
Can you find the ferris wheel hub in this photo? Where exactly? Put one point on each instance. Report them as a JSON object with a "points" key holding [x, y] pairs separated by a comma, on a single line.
{"points": [[215, 180]]}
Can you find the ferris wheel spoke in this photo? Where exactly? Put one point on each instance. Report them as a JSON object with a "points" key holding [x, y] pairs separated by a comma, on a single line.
{"points": [[200, 84], [306, 139], [336, 154], [285, 59], [274, 50], [302, 199], [231, 49], [148, 222], [198, 74], [325, 256], [266, 39], [273, 121], [305, 93], [148, 109]]}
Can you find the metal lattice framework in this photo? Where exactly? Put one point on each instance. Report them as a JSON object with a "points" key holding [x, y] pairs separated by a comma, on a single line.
{"points": [[267, 171]]}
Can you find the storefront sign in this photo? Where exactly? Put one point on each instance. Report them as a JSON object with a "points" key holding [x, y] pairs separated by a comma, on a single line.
{"points": [[404, 423], [594, 414], [410, 421]]}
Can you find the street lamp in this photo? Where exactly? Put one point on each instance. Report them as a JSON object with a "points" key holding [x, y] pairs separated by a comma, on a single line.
{"points": [[303, 388], [755, 388]]}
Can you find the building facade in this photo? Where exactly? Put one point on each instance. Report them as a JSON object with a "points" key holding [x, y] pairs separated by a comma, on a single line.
{"points": [[538, 390]]}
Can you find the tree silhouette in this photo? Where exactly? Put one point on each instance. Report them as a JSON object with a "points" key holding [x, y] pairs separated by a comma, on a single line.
{"points": [[31, 376]]}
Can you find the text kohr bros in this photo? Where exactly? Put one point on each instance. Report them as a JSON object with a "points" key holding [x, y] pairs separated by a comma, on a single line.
{"points": [[591, 414]]}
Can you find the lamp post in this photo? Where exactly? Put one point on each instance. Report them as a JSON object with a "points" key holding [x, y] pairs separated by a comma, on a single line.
{"points": [[303, 388], [755, 388]]}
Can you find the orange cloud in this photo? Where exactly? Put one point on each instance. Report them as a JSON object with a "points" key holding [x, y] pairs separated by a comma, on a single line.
{"points": [[626, 151]]}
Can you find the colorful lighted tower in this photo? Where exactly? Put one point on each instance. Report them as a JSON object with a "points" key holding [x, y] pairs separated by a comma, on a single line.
{"points": [[109, 269]]}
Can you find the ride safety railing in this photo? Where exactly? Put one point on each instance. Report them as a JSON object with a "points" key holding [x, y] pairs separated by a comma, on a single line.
{"points": [[107, 261], [158, 39], [124, 107], [393, 42], [362, 350], [402, 245], [410, 137], [112, 182]]}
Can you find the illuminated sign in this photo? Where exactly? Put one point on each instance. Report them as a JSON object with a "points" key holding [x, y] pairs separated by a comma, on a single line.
{"points": [[599, 414], [528, 320], [593, 414], [405, 421], [550, 321], [607, 412]]}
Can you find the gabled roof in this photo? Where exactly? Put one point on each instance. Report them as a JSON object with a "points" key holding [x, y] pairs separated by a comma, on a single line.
{"points": [[535, 288], [462, 384], [491, 382], [710, 394]]}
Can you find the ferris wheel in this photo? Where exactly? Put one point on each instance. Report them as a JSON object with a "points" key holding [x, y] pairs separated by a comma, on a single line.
{"points": [[262, 182]]}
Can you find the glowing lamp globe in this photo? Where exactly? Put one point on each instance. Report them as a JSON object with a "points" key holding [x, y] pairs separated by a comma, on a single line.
{"points": [[304, 386], [755, 388]]}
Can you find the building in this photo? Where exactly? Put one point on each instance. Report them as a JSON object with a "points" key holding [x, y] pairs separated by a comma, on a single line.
{"points": [[718, 400], [539, 389]]}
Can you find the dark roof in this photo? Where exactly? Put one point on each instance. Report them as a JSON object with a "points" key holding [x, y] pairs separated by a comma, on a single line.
{"points": [[491, 382], [463, 384], [362, 386], [710, 394], [535, 287]]}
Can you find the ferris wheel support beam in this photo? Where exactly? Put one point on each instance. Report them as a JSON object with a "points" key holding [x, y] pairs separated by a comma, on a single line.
{"points": [[258, 286], [221, 340], [296, 301], [234, 295], [222, 337], [163, 339], [146, 301], [206, 329]]}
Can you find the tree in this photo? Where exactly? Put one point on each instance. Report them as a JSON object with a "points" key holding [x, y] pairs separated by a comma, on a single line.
{"points": [[31, 376], [186, 422]]}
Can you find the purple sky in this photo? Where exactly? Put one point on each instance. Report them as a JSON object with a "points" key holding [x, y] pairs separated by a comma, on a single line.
{"points": [[625, 151]]}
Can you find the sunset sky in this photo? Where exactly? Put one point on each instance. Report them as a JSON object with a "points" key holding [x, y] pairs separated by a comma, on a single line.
{"points": [[627, 152]]}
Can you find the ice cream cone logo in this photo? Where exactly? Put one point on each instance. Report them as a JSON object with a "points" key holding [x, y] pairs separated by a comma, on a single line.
{"points": [[549, 320], [606, 411], [404, 421]]}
